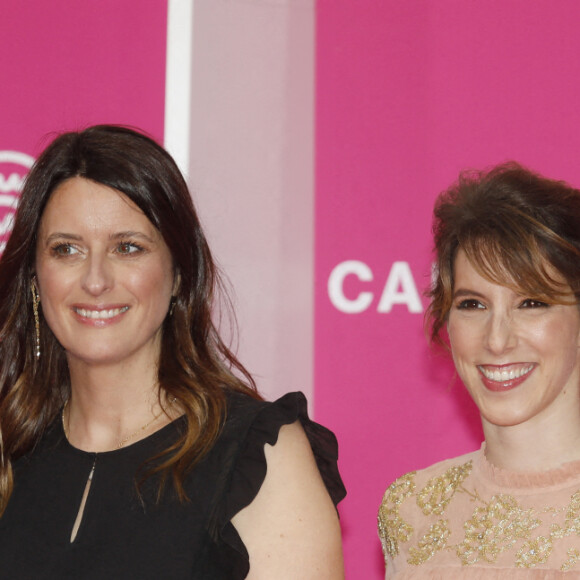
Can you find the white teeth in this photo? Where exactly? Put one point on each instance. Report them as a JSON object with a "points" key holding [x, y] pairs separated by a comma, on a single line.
{"points": [[100, 314], [501, 376]]}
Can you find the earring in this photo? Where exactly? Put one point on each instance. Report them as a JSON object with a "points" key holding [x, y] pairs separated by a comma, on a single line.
{"points": [[172, 305], [35, 303]]}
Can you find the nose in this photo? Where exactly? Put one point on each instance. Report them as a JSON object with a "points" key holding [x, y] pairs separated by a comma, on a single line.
{"points": [[97, 276], [501, 334]]}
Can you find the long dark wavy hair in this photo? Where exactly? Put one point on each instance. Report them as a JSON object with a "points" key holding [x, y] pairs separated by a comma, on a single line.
{"points": [[195, 367]]}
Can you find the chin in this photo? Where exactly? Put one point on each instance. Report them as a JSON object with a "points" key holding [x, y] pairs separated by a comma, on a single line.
{"points": [[506, 419], [100, 357]]}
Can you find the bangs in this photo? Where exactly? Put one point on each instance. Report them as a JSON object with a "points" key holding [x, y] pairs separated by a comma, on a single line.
{"points": [[517, 229], [518, 262]]}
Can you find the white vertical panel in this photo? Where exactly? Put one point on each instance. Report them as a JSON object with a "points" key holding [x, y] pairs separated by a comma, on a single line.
{"points": [[178, 81], [252, 174]]}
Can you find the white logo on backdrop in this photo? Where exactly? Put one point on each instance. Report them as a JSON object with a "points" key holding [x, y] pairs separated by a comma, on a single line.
{"points": [[11, 181], [399, 288]]}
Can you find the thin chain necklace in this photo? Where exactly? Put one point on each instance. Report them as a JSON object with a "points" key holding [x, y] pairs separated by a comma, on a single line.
{"points": [[122, 442]]}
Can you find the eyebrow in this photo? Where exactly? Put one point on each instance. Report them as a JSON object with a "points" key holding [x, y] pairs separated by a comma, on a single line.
{"points": [[116, 236], [131, 234], [62, 236], [463, 292]]}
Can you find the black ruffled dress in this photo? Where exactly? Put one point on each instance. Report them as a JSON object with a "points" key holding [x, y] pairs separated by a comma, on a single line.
{"points": [[123, 537]]}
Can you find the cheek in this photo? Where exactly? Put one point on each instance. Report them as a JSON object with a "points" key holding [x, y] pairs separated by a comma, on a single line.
{"points": [[52, 284], [556, 343], [465, 345], [557, 337], [458, 346], [460, 337], [155, 282], [53, 291], [565, 347]]}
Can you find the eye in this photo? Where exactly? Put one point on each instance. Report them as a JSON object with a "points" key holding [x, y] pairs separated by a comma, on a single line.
{"points": [[470, 304], [128, 248], [64, 249], [533, 303]]}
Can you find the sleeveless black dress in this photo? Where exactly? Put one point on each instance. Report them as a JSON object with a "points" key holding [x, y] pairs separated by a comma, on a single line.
{"points": [[124, 537]]}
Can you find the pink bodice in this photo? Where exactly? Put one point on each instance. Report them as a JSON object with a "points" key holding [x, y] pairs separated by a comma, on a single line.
{"points": [[465, 518]]}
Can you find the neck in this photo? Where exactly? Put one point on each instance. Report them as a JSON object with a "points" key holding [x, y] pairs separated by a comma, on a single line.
{"points": [[111, 407], [536, 445]]}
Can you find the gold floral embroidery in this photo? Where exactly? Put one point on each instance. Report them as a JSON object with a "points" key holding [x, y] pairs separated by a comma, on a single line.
{"points": [[392, 529], [573, 557], [572, 522], [400, 489], [431, 543], [438, 491], [494, 528], [534, 552]]}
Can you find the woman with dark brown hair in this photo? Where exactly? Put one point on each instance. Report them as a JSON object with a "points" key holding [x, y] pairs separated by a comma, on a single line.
{"points": [[133, 443], [507, 299]]}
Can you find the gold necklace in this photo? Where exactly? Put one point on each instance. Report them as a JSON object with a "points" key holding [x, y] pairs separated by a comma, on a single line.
{"points": [[125, 439]]}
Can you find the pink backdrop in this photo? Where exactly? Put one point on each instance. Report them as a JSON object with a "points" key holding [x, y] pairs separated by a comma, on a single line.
{"points": [[67, 65], [408, 93]]}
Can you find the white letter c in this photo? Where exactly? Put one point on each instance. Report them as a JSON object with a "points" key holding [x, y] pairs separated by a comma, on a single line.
{"points": [[335, 286]]}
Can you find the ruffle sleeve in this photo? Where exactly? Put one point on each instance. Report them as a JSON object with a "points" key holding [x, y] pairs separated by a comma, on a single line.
{"points": [[252, 424]]}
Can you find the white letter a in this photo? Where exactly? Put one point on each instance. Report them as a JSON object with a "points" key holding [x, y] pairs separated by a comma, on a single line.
{"points": [[400, 275]]}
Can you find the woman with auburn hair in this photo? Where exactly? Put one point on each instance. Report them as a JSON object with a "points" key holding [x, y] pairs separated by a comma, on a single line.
{"points": [[507, 298], [133, 443]]}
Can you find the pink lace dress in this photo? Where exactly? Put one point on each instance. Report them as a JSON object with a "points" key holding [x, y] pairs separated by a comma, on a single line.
{"points": [[465, 518]]}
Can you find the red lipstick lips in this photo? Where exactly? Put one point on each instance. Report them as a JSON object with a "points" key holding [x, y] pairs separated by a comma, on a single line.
{"points": [[493, 376]]}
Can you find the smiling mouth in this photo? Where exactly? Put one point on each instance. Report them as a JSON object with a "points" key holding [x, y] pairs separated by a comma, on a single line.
{"points": [[502, 375], [100, 314]]}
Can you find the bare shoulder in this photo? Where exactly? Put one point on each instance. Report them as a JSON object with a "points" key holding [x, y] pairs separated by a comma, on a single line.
{"points": [[291, 529]]}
